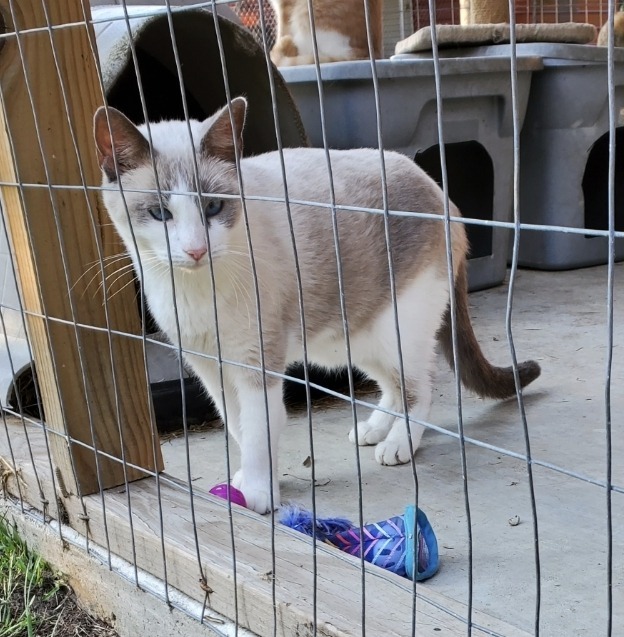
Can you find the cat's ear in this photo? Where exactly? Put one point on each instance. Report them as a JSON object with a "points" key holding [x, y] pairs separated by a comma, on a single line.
{"points": [[119, 143], [221, 139]]}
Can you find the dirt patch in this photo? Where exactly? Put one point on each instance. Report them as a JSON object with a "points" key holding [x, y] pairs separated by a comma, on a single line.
{"points": [[56, 612]]}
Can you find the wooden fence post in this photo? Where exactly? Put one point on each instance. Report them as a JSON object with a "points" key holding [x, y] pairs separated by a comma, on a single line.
{"points": [[46, 139]]}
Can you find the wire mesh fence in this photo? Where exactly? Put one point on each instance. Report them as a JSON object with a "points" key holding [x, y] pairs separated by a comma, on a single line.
{"points": [[170, 287]]}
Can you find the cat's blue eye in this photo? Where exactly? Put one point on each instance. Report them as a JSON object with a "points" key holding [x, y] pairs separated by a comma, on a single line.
{"points": [[160, 214], [213, 207]]}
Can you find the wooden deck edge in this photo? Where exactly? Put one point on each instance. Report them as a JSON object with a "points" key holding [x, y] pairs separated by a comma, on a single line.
{"points": [[268, 595], [105, 592]]}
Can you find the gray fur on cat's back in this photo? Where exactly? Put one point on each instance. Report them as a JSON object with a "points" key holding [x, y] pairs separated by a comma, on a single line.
{"points": [[364, 239]]}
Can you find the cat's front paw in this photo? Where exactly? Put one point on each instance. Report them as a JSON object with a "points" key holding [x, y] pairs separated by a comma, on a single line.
{"points": [[391, 452], [368, 434], [257, 494]]}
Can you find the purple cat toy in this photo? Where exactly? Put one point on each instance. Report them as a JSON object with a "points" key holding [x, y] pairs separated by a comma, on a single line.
{"points": [[404, 544]]}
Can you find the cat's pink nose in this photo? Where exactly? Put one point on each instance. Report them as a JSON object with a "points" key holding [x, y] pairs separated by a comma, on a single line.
{"points": [[197, 254]]}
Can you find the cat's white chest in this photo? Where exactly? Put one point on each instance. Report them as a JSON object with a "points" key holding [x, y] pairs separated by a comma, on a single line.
{"points": [[331, 43], [183, 309]]}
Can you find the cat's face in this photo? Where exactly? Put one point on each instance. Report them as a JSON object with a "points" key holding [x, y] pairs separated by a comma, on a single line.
{"points": [[158, 208]]}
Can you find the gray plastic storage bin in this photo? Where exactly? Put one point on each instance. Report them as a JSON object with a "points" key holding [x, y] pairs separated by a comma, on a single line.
{"points": [[478, 130], [564, 153], [564, 157]]}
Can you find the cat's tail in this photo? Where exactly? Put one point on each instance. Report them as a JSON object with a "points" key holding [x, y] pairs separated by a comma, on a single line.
{"points": [[477, 373]]}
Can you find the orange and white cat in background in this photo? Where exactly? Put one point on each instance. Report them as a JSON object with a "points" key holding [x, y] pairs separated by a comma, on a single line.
{"points": [[340, 27]]}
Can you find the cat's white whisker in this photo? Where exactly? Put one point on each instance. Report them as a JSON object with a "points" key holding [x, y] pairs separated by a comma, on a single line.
{"points": [[96, 264], [258, 256], [121, 274], [102, 275], [238, 285], [111, 282], [123, 287], [119, 270], [118, 273], [256, 280]]}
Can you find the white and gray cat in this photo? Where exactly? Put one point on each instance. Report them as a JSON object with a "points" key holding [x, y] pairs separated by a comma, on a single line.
{"points": [[178, 231]]}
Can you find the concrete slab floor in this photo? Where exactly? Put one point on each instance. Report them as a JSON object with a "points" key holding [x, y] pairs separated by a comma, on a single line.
{"points": [[560, 320]]}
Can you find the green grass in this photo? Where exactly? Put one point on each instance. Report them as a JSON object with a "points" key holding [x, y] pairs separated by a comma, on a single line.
{"points": [[35, 601], [25, 582]]}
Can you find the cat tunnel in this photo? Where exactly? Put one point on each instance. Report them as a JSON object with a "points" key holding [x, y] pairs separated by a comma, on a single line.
{"points": [[156, 77]]}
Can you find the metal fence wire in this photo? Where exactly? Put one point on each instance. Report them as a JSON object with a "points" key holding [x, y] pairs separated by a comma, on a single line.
{"points": [[134, 384]]}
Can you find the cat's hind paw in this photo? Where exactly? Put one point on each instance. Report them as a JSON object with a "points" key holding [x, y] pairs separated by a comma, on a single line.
{"points": [[391, 452], [368, 434], [257, 494]]}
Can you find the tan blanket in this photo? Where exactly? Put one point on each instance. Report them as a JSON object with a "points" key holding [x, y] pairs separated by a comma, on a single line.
{"points": [[452, 35]]}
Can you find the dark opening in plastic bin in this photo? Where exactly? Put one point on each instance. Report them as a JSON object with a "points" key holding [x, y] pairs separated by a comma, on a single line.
{"points": [[596, 184], [470, 185]]}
